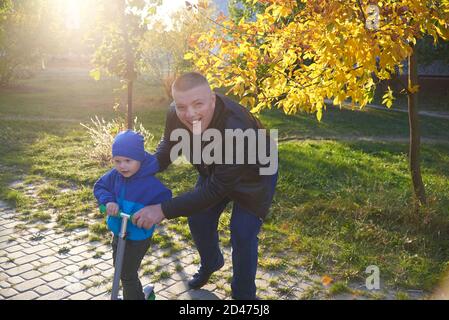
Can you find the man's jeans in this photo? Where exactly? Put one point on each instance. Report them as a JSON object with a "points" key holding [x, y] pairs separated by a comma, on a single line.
{"points": [[245, 228], [134, 253]]}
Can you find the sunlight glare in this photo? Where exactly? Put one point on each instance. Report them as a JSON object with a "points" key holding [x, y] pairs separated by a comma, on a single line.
{"points": [[169, 7], [72, 13]]}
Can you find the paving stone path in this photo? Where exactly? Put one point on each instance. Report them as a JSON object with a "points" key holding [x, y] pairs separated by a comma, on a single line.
{"points": [[40, 262]]}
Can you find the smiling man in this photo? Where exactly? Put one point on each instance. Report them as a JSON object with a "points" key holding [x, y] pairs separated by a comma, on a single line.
{"points": [[194, 104], [218, 184]]}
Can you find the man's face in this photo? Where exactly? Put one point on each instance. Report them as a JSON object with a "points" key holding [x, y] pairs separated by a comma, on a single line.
{"points": [[196, 104], [126, 166]]}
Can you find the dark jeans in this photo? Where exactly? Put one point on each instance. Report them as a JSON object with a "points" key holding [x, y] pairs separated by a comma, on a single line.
{"points": [[134, 253], [245, 228]]}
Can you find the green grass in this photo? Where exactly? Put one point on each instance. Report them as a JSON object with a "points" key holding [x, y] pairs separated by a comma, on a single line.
{"points": [[70, 94], [181, 227], [99, 228], [86, 267], [98, 255], [340, 206], [344, 123], [63, 250], [347, 205], [179, 267], [283, 291], [272, 263], [17, 199], [339, 288], [20, 227], [36, 216], [274, 283], [175, 248], [402, 296]]}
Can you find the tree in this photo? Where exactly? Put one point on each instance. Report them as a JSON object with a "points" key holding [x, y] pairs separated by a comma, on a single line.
{"points": [[131, 40], [28, 32], [117, 38], [164, 46], [296, 54], [239, 9]]}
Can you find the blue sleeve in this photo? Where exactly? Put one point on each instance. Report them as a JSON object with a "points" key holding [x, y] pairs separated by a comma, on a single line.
{"points": [[104, 188], [163, 195]]}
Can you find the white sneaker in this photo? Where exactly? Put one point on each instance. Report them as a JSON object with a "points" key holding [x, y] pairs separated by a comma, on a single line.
{"points": [[148, 291]]}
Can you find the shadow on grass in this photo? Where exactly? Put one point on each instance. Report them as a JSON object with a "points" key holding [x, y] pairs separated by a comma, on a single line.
{"points": [[352, 123], [17, 140], [350, 206]]}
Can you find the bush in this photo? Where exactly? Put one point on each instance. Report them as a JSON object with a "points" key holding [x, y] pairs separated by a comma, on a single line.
{"points": [[102, 134]]}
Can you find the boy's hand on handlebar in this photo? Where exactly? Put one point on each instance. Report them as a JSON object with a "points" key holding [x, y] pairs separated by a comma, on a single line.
{"points": [[112, 209]]}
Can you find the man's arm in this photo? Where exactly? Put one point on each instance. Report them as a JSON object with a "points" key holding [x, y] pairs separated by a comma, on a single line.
{"points": [[214, 189], [207, 194]]}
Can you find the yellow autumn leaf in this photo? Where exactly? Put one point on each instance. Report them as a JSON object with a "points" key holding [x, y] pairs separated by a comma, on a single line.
{"points": [[319, 114], [388, 98], [95, 74], [413, 89], [188, 56], [248, 102], [326, 280], [257, 108], [319, 110]]}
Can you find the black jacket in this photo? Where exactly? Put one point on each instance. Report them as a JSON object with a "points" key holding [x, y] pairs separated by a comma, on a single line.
{"points": [[241, 183]]}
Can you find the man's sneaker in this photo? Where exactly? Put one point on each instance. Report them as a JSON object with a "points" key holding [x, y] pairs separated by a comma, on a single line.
{"points": [[200, 278], [148, 291]]}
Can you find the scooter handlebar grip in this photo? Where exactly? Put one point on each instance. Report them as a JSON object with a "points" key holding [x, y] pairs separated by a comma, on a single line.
{"points": [[121, 214]]}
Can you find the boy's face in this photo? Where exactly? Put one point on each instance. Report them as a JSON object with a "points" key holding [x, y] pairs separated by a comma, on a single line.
{"points": [[127, 167]]}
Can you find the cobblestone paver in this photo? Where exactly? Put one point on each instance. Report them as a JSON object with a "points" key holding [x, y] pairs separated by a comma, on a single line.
{"points": [[49, 265]]}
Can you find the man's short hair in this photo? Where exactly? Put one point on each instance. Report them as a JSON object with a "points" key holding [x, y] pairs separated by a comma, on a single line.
{"points": [[189, 81]]}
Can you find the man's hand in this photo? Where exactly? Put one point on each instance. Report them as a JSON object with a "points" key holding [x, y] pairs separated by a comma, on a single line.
{"points": [[112, 209], [148, 216]]}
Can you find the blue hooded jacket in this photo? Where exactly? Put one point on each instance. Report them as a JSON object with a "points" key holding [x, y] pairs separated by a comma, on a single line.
{"points": [[132, 194]]}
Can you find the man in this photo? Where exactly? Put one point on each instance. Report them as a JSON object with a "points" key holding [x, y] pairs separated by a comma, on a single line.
{"points": [[197, 107]]}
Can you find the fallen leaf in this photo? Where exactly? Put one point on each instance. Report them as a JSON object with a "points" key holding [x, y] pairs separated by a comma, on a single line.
{"points": [[326, 280]]}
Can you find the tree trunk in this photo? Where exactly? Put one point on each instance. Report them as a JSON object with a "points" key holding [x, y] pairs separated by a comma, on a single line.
{"points": [[130, 104], [129, 66], [414, 148]]}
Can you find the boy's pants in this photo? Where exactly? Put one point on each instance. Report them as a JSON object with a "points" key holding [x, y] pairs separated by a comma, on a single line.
{"points": [[134, 253], [245, 228]]}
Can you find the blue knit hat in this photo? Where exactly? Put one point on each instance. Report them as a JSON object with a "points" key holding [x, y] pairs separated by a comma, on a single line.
{"points": [[129, 144]]}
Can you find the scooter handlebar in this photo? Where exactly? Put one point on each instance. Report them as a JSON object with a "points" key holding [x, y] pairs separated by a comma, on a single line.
{"points": [[121, 214]]}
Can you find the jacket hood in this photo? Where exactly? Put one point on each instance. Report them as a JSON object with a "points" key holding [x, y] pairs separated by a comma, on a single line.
{"points": [[148, 167]]}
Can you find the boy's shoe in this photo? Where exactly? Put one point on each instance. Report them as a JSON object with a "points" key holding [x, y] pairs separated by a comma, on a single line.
{"points": [[200, 278], [148, 291]]}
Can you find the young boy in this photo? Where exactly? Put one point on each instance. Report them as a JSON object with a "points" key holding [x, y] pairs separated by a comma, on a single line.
{"points": [[128, 187]]}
